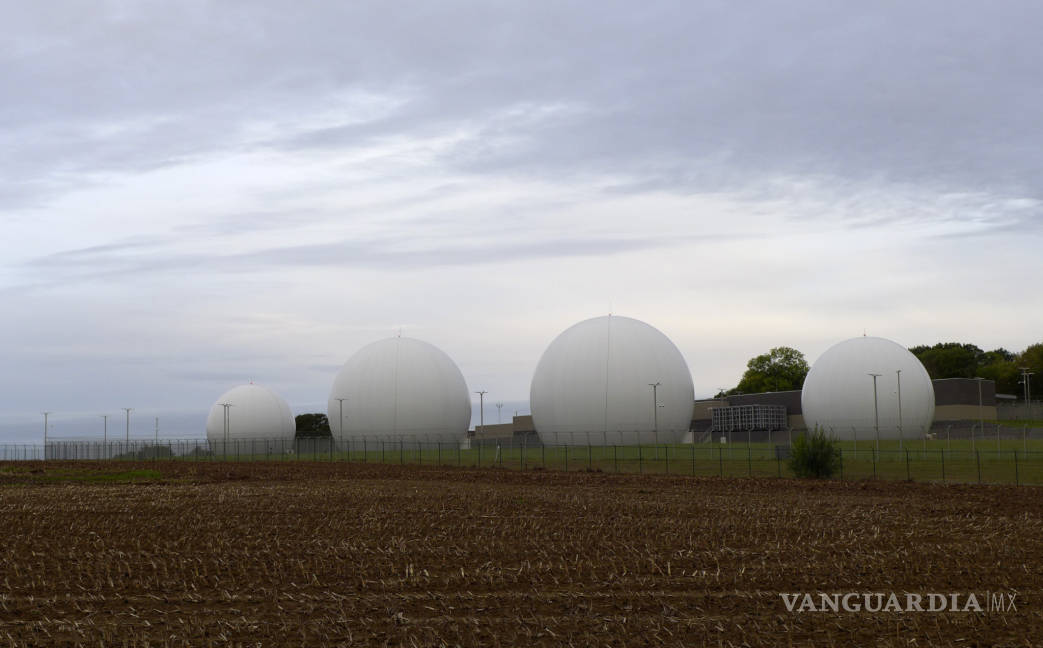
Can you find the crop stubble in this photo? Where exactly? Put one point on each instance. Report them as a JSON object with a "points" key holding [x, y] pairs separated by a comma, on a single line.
{"points": [[350, 554]]}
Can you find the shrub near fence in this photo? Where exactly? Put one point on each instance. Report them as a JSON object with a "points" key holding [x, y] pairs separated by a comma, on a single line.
{"points": [[1008, 461]]}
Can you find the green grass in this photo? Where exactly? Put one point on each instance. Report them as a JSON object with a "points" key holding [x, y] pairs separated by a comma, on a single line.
{"points": [[29, 474], [937, 460]]}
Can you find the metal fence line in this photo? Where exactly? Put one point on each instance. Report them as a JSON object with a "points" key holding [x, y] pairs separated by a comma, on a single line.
{"points": [[1003, 458]]}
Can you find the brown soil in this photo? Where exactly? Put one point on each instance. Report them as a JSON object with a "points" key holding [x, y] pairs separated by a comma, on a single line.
{"points": [[309, 554]]}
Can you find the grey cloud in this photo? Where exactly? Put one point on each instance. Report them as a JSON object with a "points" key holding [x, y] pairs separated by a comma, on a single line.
{"points": [[931, 92], [369, 253]]}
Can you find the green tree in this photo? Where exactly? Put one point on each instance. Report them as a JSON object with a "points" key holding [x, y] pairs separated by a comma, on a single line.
{"points": [[959, 360], [949, 359], [1032, 358], [781, 369], [312, 425]]}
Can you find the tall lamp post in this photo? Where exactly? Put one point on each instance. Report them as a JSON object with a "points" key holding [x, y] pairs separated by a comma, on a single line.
{"points": [[128, 410], [981, 415], [499, 408], [898, 372], [45, 415], [340, 424], [1025, 373], [105, 436], [655, 412], [481, 408], [876, 411], [227, 425]]}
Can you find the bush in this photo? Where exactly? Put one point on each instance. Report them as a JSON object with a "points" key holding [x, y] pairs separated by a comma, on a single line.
{"points": [[814, 455]]}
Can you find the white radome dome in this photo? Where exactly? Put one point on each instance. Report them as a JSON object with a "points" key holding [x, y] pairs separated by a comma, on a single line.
{"points": [[838, 391], [399, 389], [259, 420], [593, 386]]}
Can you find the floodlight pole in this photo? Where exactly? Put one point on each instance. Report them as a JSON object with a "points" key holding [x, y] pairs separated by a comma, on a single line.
{"points": [[499, 408], [655, 414], [981, 415], [898, 372], [876, 411], [1028, 390], [45, 415], [227, 425], [128, 410], [481, 409], [156, 442], [340, 425]]}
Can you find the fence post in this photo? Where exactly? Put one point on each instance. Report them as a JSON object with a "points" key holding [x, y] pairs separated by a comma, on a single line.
{"points": [[720, 460], [590, 457], [778, 462], [977, 457], [841, 464], [907, 475], [666, 465], [615, 457], [749, 461], [566, 457], [639, 457], [543, 455], [693, 456], [873, 451], [1017, 481], [943, 465]]}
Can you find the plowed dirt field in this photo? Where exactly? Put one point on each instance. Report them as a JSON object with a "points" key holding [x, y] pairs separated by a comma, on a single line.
{"points": [[311, 554]]}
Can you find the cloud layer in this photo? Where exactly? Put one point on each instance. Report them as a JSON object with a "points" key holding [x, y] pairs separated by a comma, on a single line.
{"points": [[201, 191]]}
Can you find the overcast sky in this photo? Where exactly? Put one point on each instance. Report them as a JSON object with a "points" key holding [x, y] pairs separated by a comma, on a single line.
{"points": [[198, 194]]}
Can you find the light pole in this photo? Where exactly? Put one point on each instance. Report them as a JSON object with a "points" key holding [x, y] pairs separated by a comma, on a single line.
{"points": [[128, 410], [499, 407], [1028, 391], [898, 372], [156, 441], [227, 426], [481, 408], [876, 411], [105, 436], [655, 412], [45, 415], [981, 415], [340, 425]]}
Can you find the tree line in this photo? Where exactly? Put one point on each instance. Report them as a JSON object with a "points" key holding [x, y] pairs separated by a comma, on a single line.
{"points": [[784, 368]]}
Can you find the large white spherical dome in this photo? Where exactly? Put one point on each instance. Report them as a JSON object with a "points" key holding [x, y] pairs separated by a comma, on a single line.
{"points": [[593, 386], [259, 420], [838, 391], [400, 389]]}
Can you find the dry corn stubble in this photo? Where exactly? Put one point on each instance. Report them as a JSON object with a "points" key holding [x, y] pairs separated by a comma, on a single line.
{"points": [[348, 554]]}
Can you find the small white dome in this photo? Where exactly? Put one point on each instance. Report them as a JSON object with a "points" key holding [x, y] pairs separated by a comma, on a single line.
{"points": [[593, 386], [838, 391], [399, 389], [256, 415]]}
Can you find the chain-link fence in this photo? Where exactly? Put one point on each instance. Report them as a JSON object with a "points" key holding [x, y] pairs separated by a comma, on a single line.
{"points": [[1010, 455]]}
